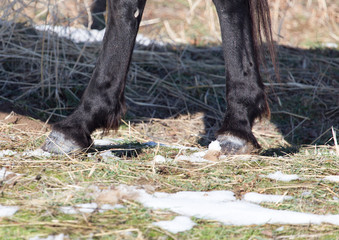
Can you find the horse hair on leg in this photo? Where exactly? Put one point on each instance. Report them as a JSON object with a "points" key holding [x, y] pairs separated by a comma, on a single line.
{"points": [[102, 103]]}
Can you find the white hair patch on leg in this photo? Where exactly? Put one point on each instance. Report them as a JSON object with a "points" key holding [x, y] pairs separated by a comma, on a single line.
{"points": [[136, 13]]}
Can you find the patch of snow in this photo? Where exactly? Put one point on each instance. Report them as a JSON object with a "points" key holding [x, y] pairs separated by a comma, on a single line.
{"points": [[4, 153], [60, 236], [215, 146], [259, 198], [73, 33], [330, 45], [333, 178], [279, 176], [7, 211], [223, 207], [89, 35], [88, 208], [4, 173], [199, 154], [108, 155], [106, 207], [178, 224], [83, 207], [68, 210], [159, 159], [36, 153], [306, 193]]}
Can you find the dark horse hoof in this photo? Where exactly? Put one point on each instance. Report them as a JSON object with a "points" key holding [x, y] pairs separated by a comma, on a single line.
{"points": [[58, 143], [231, 145]]}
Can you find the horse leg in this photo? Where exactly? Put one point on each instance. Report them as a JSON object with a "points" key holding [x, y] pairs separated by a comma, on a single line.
{"points": [[98, 8], [245, 95], [102, 104]]}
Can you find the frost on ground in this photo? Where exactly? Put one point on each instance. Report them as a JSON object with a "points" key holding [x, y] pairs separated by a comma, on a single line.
{"points": [[60, 236], [334, 178], [88, 35], [279, 176], [178, 224], [7, 211]]}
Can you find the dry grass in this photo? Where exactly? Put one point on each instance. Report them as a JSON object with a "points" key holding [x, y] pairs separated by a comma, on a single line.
{"points": [[175, 95]]}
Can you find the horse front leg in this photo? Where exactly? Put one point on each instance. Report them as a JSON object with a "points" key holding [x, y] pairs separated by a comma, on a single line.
{"points": [[102, 104], [245, 95]]}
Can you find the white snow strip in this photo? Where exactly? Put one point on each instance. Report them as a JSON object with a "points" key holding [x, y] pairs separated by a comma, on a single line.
{"points": [[7, 211], [4, 153], [223, 207], [75, 34], [85, 35], [259, 198], [215, 146], [279, 176], [88, 208], [60, 236], [333, 178], [106, 207], [36, 153], [178, 224]]}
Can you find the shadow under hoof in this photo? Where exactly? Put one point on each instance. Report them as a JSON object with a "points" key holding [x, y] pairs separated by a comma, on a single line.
{"points": [[57, 143], [280, 151], [232, 145], [121, 150]]}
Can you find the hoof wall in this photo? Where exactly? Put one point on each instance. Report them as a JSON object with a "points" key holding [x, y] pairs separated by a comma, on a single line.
{"points": [[232, 145], [57, 143]]}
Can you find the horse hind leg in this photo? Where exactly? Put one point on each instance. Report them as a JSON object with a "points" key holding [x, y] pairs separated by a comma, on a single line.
{"points": [[102, 104], [245, 95], [98, 8]]}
